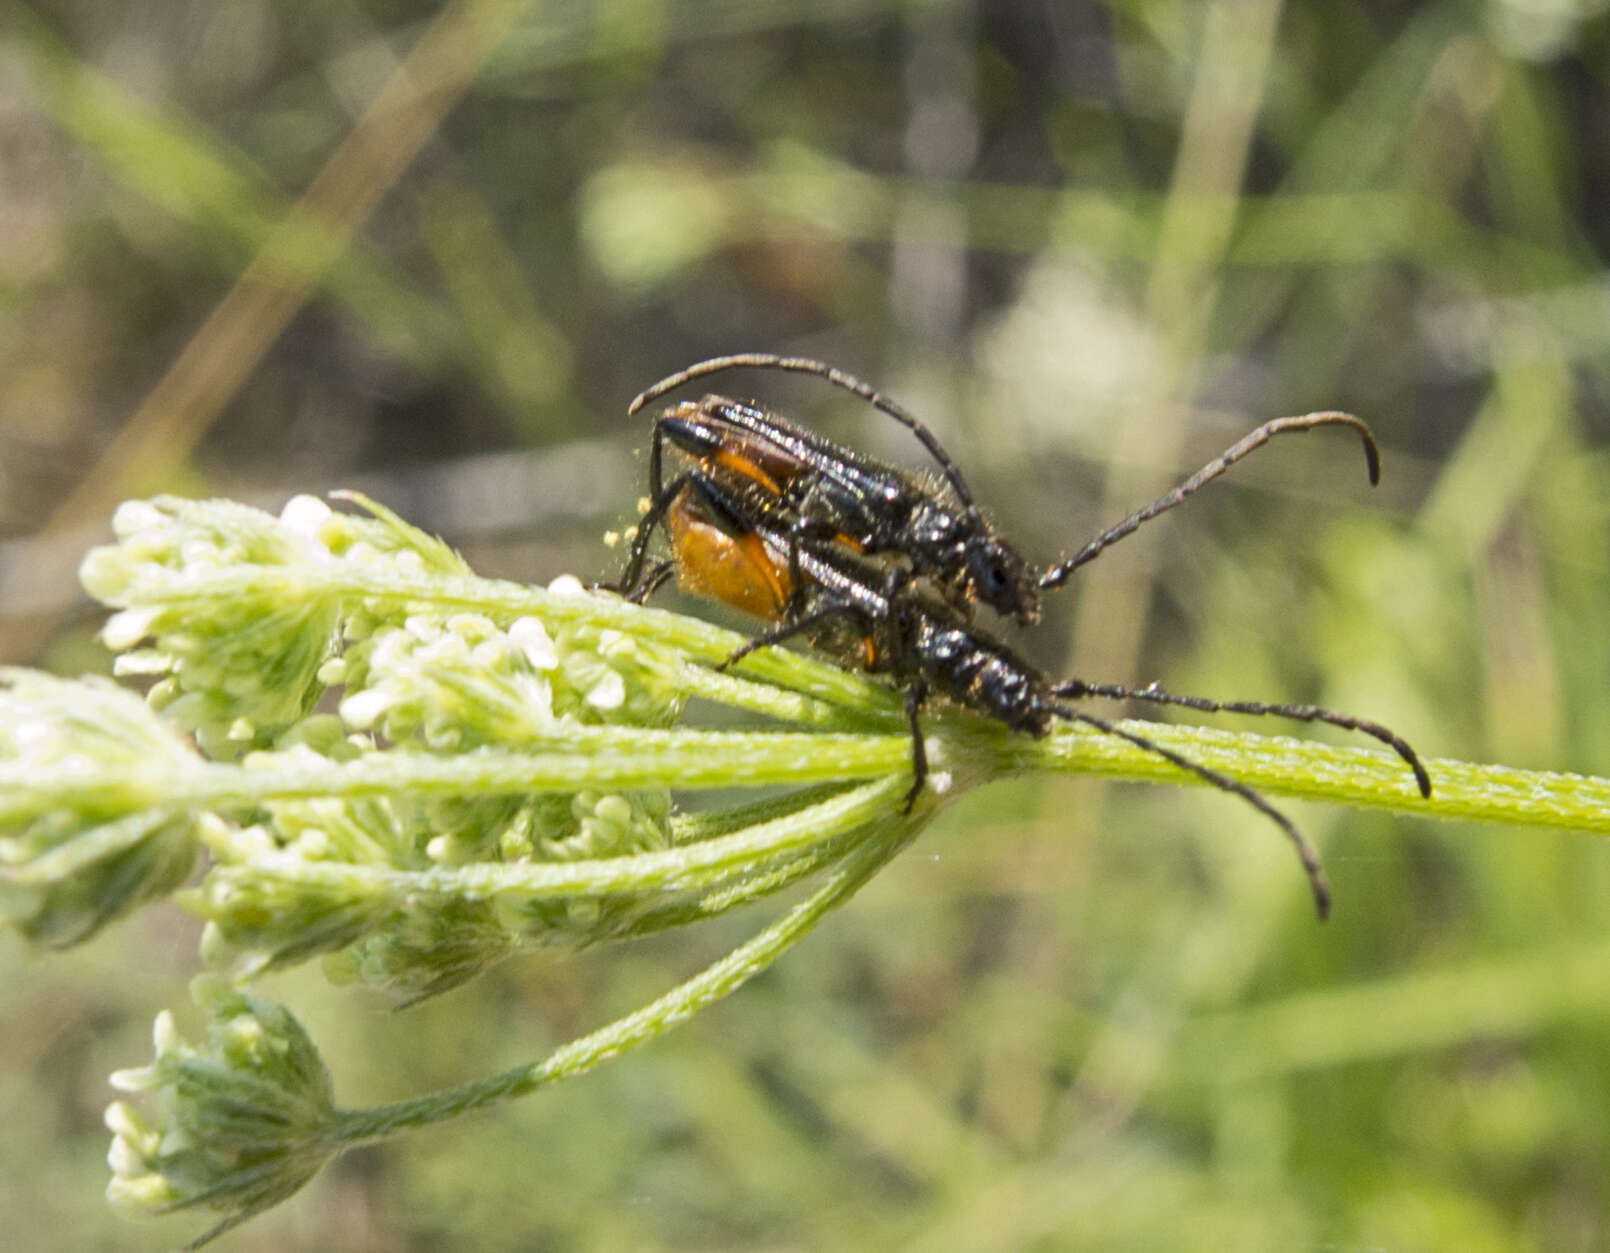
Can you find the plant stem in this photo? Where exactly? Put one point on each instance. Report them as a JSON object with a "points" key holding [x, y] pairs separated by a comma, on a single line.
{"points": [[706, 864], [1311, 771], [580, 757], [507, 600], [351, 1127]]}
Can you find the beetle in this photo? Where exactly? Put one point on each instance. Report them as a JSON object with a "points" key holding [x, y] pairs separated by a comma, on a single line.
{"points": [[736, 540], [837, 492], [833, 492]]}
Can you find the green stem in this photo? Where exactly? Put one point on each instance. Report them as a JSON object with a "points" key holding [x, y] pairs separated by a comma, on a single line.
{"points": [[781, 703], [1302, 768], [576, 758], [959, 744], [503, 600], [351, 1127], [743, 889], [708, 864]]}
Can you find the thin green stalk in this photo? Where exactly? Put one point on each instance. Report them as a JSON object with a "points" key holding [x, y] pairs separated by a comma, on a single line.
{"points": [[1360, 777], [351, 1127], [618, 758], [758, 883], [502, 599], [704, 865], [604, 757], [588, 757]]}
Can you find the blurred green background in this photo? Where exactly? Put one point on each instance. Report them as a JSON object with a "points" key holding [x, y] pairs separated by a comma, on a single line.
{"points": [[1092, 244]]}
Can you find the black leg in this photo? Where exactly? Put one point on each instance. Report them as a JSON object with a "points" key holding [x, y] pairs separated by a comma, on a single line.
{"points": [[916, 694], [1305, 851], [652, 582], [788, 630], [796, 579], [1075, 688], [629, 580]]}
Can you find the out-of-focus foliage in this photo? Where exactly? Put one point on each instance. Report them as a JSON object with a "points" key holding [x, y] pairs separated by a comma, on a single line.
{"points": [[1093, 244]]}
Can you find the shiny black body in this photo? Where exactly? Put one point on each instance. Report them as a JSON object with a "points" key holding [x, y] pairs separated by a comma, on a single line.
{"points": [[836, 492], [832, 493], [878, 613]]}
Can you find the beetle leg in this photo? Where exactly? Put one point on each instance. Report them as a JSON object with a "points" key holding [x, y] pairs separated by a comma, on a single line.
{"points": [[916, 694], [1075, 688], [1305, 850]]}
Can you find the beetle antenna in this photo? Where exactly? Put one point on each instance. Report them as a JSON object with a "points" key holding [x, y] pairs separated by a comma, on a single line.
{"points": [[1058, 574], [806, 365]]}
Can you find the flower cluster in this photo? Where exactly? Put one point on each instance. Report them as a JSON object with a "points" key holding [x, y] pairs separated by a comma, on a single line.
{"points": [[323, 602], [243, 1121], [233, 669], [86, 769], [413, 773]]}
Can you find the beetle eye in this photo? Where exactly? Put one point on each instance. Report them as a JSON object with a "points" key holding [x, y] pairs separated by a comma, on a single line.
{"points": [[988, 574]]}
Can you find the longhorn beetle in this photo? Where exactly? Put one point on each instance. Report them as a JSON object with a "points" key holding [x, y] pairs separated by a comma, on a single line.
{"points": [[836, 492], [816, 492], [872, 565]]}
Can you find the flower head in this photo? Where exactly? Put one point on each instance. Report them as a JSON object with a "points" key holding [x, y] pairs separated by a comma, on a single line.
{"points": [[241, 1122], [84, 836]]}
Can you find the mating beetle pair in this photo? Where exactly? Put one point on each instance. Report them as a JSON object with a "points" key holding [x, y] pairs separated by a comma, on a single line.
{"points": [[884, 570]]}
